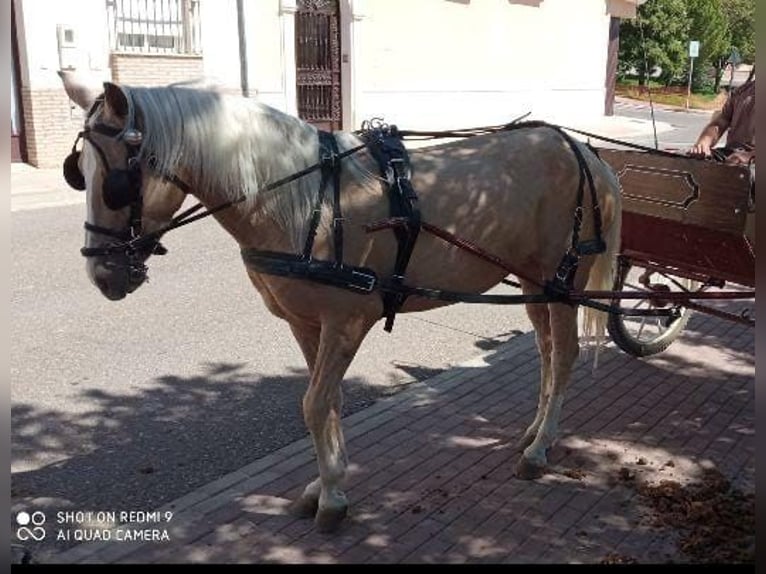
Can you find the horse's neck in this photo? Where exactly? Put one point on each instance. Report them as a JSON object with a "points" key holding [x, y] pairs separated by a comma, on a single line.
{"points": [[286, 146]]}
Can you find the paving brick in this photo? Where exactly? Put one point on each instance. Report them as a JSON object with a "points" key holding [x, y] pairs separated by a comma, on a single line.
{"points": [[432, 477]]}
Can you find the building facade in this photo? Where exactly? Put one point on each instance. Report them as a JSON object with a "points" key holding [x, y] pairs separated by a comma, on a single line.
{"points": [[417, 63]]}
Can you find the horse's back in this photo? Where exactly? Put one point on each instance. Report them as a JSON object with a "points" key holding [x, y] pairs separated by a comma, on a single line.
{"points": [[513, 194]]}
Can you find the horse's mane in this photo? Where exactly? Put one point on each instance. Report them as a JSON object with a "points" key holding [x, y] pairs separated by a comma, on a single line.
{"points": [[228, 146]]}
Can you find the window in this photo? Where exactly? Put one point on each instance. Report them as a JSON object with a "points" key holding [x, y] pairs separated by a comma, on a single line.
{"points": [[154, 26]]}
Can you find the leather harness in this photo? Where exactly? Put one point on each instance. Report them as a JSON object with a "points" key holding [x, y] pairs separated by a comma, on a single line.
{"points": [[386, 146]]}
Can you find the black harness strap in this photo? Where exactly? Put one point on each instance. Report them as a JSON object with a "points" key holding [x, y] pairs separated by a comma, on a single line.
{"points": [[327, 162], [305, 266], [388, 150], [337, 215], [563, 281]]}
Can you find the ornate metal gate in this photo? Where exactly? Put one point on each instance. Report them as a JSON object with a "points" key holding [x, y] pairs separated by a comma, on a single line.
{"points": [[317, 55]]}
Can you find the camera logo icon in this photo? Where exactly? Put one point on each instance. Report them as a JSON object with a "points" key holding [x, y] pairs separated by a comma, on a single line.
{"points": [[30, 526]]}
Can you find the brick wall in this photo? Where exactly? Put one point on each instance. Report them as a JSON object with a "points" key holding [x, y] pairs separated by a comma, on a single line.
{"points": [[51, 123], [155, 70], [51, 120]]}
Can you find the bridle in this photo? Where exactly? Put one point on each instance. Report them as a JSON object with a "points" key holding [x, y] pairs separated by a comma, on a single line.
{"points": [[121, 188]]}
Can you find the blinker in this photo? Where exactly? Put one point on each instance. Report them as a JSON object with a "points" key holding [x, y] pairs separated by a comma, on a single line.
{"points": [[121, 188], [72, 173]]}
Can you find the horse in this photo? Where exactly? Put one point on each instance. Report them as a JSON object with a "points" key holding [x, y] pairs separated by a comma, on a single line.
{"points": [[511, 192]]}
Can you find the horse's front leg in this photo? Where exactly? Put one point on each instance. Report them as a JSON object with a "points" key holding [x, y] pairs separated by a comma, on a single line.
{"points": [[322, 409], [308, 337]]}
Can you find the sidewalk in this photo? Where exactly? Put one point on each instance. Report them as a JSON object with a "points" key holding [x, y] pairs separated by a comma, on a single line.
{"points": [[431, 475], [33, 188]]}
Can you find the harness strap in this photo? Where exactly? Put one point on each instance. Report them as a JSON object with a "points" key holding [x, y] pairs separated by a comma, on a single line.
{"points": [[357, 279], [362, 280], [563, 281], [388, 150], [337, 216], [327, 167]]}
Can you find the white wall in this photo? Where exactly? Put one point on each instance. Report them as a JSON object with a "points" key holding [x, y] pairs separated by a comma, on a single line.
{"points": [[37, 22], [418, 63], [268, 40], [220, 42], [448, 63]]}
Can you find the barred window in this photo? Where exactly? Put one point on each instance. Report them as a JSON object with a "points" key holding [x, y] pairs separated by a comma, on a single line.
{"points": [[154, 26]]}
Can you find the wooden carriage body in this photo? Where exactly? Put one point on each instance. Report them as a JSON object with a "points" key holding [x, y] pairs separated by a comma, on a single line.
{"points": [[694, 218]]}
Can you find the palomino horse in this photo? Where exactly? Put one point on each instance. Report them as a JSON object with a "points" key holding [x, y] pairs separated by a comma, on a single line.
{"points": [[513, 193]]}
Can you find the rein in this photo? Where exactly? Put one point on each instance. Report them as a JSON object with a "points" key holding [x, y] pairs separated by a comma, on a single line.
{"points": [[376, 136], [188, 216]]}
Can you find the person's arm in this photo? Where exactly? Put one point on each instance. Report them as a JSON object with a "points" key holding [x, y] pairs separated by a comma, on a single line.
{"points": [[710, 136], [714, 130]]}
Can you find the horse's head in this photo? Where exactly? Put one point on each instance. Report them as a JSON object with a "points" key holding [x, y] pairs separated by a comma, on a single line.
{"points": [[124, 198]]}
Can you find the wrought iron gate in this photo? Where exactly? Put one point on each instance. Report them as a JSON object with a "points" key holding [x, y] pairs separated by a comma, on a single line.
{"points": [[317, 55]]}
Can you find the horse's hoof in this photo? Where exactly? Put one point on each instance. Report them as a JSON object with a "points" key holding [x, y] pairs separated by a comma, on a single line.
{"points": [[304, 507], [329, 520], [529, 470]]}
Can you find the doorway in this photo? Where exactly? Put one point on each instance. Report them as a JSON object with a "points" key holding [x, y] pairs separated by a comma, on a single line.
{"points": [[318, 63]]}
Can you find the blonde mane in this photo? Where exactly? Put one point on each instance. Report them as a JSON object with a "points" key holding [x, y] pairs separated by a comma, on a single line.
{"points": [[229, 146]]}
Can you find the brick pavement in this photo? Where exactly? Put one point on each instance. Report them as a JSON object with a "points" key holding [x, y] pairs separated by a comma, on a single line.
{"points": [[431, 476]]}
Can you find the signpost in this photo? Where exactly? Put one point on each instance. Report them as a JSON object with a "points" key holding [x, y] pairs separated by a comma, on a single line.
{"points": [[734, 60], [694, 52]]}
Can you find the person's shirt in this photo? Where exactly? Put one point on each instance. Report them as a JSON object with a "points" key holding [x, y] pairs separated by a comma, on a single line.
{"points": [[739, 112]]}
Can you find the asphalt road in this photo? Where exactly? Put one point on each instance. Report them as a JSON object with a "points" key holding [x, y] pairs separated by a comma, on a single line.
{"points": [[687, 125], [127, 405]]}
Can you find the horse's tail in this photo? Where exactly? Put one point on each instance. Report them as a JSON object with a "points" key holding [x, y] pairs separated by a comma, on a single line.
{"points": [[602, 275]]}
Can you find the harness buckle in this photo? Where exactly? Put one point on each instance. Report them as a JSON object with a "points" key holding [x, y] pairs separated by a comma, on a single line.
{"points": [[568, 263], [330, 159], [367, 284]]}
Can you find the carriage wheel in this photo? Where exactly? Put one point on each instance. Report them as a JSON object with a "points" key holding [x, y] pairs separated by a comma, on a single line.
{"points": [[644, 336]]}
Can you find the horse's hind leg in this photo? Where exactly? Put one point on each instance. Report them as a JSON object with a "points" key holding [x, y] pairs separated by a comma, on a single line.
{"points": [[538, 315], [565, 348], [322, 404]]}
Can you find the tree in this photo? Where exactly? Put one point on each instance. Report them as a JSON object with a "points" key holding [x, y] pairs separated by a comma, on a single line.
{"points": [[709, 25], [741, 17], [665, 26]]}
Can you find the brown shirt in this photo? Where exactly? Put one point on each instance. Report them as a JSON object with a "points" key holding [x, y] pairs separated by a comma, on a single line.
{"points": [[739, 114]]}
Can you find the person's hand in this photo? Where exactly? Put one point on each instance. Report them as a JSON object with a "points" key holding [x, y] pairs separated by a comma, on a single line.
{"points": [[700, 149], [739, 157]]}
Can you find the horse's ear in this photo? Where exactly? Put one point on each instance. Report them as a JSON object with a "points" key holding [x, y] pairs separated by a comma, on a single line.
{"points": [[81, 91], [115, 99]]}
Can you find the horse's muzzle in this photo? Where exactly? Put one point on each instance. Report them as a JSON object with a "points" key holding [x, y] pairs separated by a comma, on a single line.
{"points": [[117, 276]]}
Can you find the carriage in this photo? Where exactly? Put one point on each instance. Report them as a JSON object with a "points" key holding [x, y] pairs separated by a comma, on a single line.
{"points": [[688, 239], [338, 230]]}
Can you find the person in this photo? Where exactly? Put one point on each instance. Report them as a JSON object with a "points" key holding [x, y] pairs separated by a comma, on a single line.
{"points": [[738, 117]]}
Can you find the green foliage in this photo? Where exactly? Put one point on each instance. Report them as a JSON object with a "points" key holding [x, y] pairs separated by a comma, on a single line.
{"points": [[741, 19], [664, 45], [708, 24], [669, 25]]}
